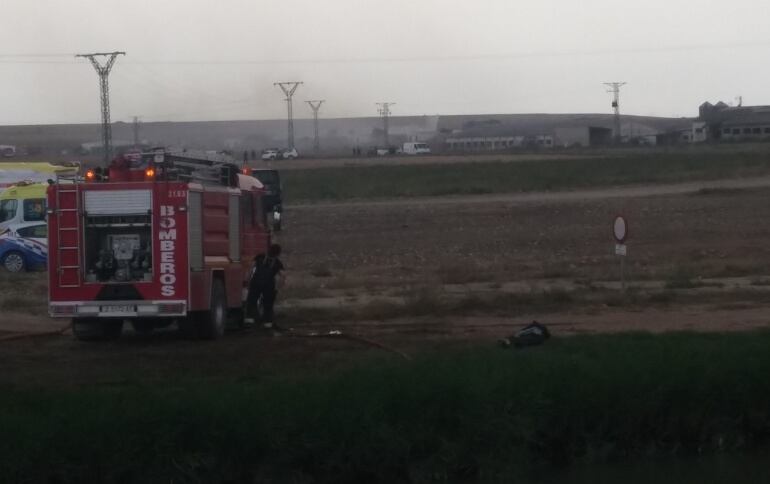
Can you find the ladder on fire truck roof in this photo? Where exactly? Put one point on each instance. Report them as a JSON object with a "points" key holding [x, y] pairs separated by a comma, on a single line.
{"points": [[68, 223], [202, 167]]}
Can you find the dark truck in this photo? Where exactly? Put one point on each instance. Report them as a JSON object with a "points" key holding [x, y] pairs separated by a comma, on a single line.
{"points": [[272, 200]]}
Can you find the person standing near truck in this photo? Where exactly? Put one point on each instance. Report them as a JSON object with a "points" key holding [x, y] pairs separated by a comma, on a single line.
{"points": [[267, 274]]}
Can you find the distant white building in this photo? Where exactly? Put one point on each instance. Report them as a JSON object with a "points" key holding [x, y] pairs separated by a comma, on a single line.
{"points": [[699, 132], [494, 143], [721, 121]]}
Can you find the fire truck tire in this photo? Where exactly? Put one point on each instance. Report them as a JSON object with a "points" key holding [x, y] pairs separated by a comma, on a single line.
{"points": [[211, 324]]}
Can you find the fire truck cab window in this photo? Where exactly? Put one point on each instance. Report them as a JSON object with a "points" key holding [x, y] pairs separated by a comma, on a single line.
{"points": [[34, 210], [8, 209]]}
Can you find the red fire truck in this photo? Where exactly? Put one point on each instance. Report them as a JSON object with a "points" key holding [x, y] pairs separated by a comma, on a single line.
{"points": [[158, 238]]}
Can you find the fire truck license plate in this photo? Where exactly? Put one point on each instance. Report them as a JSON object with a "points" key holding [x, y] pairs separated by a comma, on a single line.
{"points": [[125, 308]]}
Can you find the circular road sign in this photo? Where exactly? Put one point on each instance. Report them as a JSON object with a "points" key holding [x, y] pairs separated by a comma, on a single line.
{"points": [[620, 229]]}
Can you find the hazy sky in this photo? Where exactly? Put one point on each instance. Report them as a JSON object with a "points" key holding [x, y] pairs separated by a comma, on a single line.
{"points": [[196, 59]]}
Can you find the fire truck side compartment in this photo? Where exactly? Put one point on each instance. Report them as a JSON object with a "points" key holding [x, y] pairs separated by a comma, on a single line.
{"points": [[195, 230]]}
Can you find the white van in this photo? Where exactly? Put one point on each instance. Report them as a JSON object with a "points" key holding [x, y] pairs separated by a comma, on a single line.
{"points": [[413, 148]]}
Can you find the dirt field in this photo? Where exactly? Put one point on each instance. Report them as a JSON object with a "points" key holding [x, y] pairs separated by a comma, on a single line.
{"points": [[422, 273], [709, 232]]}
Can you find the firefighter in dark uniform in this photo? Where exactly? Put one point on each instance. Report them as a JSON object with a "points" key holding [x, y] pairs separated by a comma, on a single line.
{"points": [[263, 284]]}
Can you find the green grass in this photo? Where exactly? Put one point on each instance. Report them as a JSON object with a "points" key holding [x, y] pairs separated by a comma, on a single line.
{"points": [[482, 414], [507, 177]]}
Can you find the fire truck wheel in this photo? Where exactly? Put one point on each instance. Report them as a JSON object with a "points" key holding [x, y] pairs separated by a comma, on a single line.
{"points": [[211, 324]]}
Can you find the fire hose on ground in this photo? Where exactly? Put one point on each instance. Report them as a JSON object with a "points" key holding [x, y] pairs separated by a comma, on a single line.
{"points": [[16, 336], [335, 334]]}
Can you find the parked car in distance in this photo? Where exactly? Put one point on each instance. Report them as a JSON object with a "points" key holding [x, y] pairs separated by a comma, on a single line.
{"points": [[289, 154], [391, 150], [416, 149], [270, 154], [24, 246]]}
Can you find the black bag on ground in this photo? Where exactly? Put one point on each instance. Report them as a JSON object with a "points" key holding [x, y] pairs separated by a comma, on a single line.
{"points": [[533, 334]]}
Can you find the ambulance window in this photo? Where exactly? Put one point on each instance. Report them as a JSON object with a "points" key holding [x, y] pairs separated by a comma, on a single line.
{"points": [[8, 209], [36, 231], [34, 210]]}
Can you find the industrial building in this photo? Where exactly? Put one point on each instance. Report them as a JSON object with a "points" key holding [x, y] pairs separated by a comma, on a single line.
{"points": [[732, 123], [493, 143], [504, 132], [582, 136]]}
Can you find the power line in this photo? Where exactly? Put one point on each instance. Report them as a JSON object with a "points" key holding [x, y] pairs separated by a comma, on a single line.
{"points": [[220, 109], [177, 87], [103, 70], [315, 105], [35, 55], [20, 58], [37, 62], [289, 88]]}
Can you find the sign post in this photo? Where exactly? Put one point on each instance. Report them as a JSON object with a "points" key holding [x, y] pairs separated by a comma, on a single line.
{"points": [[620, 231]]}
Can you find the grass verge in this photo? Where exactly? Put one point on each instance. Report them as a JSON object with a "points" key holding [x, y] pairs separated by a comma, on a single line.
{"points": [[484, 414], [505, 177]]}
